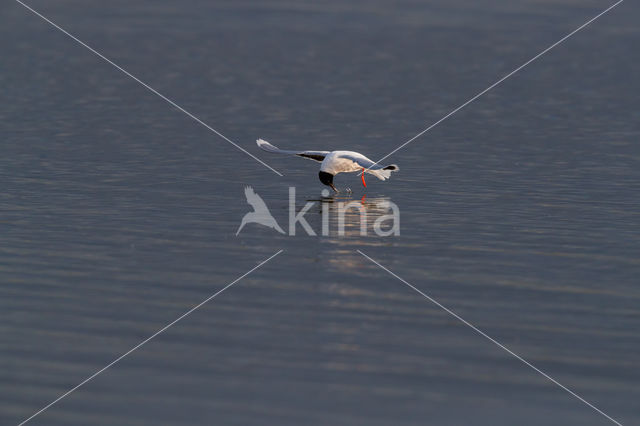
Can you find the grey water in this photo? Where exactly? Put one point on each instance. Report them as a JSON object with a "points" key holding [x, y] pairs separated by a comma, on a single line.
{"points": [[520, 213]]}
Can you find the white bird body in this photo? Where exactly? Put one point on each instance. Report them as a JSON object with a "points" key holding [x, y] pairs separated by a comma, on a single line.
{"points": [[350, 161], [334, 162]]}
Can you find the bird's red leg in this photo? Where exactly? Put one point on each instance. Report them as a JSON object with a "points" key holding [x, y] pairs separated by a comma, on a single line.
{"points": [[363, 182]]}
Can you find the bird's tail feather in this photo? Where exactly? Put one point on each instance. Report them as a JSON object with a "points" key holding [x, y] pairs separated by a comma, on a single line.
{"points": [[385, 172]]}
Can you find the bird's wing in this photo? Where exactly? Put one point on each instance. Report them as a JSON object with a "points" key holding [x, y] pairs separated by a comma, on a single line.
{"points": [[360, 160], [312, 155], [255, 200], [368, 166]]}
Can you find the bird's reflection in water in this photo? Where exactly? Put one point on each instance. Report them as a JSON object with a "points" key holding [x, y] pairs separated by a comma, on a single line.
{"points": [[354, 223], [350, 220]]}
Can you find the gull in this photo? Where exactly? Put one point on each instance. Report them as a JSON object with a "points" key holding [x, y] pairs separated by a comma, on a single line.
{"points": [[260, 213], [334, 162]]}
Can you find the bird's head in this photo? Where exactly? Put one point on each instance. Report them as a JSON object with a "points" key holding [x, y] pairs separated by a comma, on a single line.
{"points": [[327, 179]]}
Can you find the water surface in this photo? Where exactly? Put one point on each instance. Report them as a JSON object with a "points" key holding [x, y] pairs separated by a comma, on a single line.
{"points": [[119, 213]]}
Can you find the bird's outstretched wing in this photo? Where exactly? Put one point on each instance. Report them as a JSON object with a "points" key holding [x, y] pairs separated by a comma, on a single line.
{"points": [[255, 200], [311, 155], [363, 161], [381, 172]]}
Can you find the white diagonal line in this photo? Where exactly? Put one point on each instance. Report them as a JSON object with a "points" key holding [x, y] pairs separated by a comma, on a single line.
{"points": [[499, 81], [500, 345], [148, 338], [151, 89]]}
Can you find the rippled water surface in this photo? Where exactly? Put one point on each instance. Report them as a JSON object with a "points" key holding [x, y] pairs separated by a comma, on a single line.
{"points": [[118, 213]]}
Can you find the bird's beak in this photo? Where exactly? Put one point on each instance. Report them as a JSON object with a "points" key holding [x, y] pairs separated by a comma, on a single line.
{"points": [[333, 187]]}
